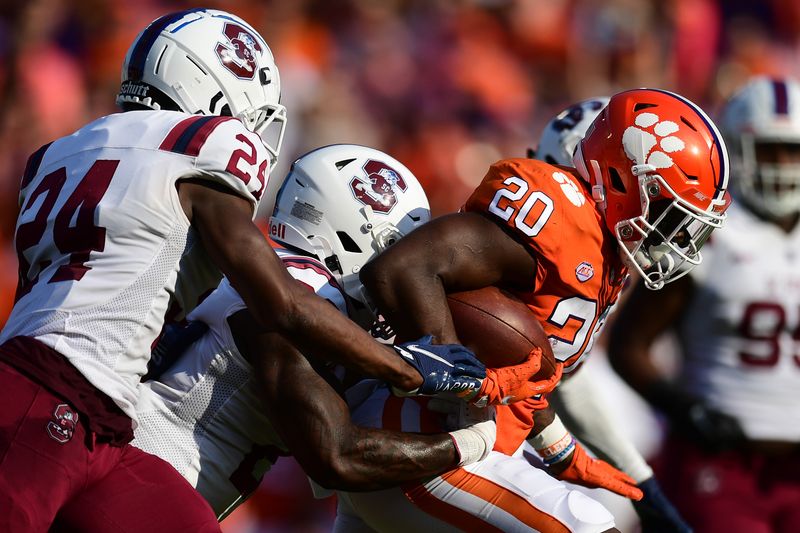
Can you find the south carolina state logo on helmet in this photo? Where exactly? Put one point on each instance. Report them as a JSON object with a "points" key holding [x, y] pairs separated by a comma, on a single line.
{"points": [[379, 189], [239, 54]]}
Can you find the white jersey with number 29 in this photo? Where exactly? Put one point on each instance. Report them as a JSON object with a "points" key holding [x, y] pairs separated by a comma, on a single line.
{"points": [[102, 239]]}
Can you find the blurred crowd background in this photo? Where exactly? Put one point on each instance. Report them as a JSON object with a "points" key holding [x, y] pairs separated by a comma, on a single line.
{"points": [[446, 86]]}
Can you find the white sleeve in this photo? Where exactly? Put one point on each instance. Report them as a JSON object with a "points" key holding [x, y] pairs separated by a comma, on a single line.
{"points": [[585, 413], [235, 158]]}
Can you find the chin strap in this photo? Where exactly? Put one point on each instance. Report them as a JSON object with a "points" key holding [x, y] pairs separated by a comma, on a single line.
{"points": [[598, 190], [594, 178]]}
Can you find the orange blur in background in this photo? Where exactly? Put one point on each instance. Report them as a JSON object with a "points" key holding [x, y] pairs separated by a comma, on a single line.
{"points": [[447, 87]]}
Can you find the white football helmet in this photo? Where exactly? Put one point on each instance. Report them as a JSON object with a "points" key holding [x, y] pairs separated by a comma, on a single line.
{"points": [[764, 111], [562, 134], [344, 204], [207, 62]]}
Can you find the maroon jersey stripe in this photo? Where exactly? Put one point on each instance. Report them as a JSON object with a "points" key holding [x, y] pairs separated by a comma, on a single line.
{"points": [[32, 166], [189, 135], [176, 132], [303, 263], [201, 134]]}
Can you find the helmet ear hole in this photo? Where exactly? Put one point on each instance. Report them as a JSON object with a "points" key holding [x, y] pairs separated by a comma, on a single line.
{"points": [[616, 180], [348, 243]]}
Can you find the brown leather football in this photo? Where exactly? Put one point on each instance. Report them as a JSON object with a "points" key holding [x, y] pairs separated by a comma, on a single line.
{"points": [[499, 328]]}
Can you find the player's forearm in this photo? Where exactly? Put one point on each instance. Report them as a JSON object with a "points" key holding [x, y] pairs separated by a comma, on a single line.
{"points": [[378, 459], [463, 251], [314, 422], [412, 300], [586, 414], [324, 333], [636, 328], [630, 358], [273, 297]]}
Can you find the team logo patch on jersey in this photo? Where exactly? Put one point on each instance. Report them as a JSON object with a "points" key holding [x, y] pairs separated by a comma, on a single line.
{"points": [[570, 189], [239, 53], [584, 272], [379, 189], [652, 148], [62, 426]]}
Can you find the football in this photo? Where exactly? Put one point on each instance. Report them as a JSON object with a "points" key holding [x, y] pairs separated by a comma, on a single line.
{"points": [[499, 328]]}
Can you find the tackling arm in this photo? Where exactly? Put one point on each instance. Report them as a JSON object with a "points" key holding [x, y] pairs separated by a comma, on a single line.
{"points": [[238, 248], [634, 330], [409, 281], [314, 422]]}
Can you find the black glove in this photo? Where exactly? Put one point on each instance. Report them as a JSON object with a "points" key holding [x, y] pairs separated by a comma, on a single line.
{"points": [[693, 418], [656, 512]]}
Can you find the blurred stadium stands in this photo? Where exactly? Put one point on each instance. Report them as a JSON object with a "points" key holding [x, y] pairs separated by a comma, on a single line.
{"points": [[446, 86]]}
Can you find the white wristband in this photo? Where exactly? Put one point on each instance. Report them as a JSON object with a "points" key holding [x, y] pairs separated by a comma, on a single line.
{"points": [[549, 436], [554, 443], [474, 442]]}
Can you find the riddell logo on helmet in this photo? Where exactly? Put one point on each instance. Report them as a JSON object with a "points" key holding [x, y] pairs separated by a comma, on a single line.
{"points": [[278, 230], [640, 145], [379, 189], [239, 54]]}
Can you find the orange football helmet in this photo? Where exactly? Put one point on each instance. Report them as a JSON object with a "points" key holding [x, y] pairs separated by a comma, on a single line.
{"points": [[658, 169]]}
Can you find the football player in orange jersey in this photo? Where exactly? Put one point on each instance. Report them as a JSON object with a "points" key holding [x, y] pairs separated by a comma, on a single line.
{"points": [[649, 187], [579, 399], [731, 461]]}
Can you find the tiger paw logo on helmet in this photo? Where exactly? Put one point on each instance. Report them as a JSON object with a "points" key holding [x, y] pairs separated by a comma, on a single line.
{"points": [[644, 147]]}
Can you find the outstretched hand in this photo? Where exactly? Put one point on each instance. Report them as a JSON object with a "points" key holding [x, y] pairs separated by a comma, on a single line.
{"points": [[595, 473]]}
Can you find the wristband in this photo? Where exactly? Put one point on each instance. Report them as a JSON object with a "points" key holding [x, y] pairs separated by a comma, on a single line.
{"points": [[554, 443], [560, 456], [474, 443]]}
